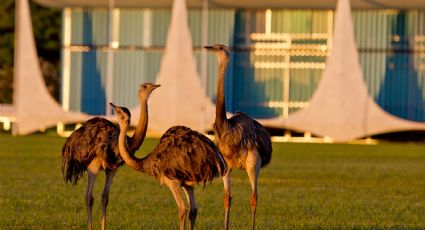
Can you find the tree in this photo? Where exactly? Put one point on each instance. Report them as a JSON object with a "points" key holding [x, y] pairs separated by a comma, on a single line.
{"points": [[47, 31], [7, 15], [47, 23]]}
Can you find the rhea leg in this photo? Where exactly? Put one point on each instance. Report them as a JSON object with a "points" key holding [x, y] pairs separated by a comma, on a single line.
{"points": [[89, 197], [227, 198], [175, 189], [253, 165], [105, 194], [193, 207]]}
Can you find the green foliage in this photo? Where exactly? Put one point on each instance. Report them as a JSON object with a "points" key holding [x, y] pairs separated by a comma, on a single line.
{"points": [[47, 24], [47, 30], [7, 16], [306, 186]]}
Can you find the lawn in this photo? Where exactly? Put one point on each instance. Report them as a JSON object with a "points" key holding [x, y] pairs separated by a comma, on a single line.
{"points": [[306, 186]]}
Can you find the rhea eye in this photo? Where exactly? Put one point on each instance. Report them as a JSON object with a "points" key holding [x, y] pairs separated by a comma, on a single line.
{"points": [[221, 48]]}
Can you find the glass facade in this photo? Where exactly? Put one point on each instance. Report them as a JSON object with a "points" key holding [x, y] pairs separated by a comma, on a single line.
{"points": [[277, 60]]}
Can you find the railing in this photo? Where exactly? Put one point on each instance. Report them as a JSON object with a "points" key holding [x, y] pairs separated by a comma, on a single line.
{"points": [[286, 45]]}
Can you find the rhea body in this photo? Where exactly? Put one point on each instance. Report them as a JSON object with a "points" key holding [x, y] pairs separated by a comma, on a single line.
{"points": [[182, 159], [244, 143], [94, 147]]}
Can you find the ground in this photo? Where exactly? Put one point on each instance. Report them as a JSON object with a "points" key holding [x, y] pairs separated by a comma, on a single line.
{"points": [[306, 186]]}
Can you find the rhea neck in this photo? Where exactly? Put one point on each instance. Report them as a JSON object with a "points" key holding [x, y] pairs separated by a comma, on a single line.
{"points": [[128, 158], [223, 61], [140, 132]]}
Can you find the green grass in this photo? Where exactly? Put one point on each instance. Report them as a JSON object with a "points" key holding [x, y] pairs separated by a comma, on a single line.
{"points": [[306, 186]]}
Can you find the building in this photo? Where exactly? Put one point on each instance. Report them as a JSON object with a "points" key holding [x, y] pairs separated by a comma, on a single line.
{"points": [[278, 58], [279, 51]]}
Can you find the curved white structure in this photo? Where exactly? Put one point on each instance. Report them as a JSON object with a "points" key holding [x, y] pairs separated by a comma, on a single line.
{"points": [[34, 107], [340, 107], [181, 99]]}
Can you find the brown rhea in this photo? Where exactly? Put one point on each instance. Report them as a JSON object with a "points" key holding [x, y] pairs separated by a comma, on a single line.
{"points": [[244, 143], [182, 159], [94, 147]]}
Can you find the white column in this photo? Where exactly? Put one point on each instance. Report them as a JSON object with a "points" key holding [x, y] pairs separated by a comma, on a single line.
{"points": [[110, 59], [204, 41], [66, 60], [330, 30], [147, 26]]}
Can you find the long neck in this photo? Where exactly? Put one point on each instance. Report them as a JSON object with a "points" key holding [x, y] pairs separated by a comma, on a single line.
{"points": [[130, 160], [220, 113], [139, 135]]}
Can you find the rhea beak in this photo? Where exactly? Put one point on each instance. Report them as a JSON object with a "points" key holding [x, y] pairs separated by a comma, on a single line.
{"points": [[209, 47], [155, 86], [113, 107]]}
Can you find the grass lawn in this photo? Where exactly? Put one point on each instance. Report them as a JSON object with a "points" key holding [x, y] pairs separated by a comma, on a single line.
{"points": [[306, 186]]}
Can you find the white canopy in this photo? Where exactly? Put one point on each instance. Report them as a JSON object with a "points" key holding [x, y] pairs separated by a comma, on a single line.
{"points": [[7, 110], [243, 4]]}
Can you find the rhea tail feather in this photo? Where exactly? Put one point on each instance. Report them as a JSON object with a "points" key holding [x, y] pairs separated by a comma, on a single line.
{"points": [[72, 168]]}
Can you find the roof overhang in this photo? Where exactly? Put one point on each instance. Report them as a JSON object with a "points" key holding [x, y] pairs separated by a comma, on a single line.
{"points": [[245, 4]]}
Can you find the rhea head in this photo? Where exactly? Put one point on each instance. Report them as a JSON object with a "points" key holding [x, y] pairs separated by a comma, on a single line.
{"points": [[145, 90], [122, 113], [222, 51]]}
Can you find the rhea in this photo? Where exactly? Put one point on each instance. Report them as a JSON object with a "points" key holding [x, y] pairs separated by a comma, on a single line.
{"points": [[94, 147], [244, 143], [182, 159]]}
